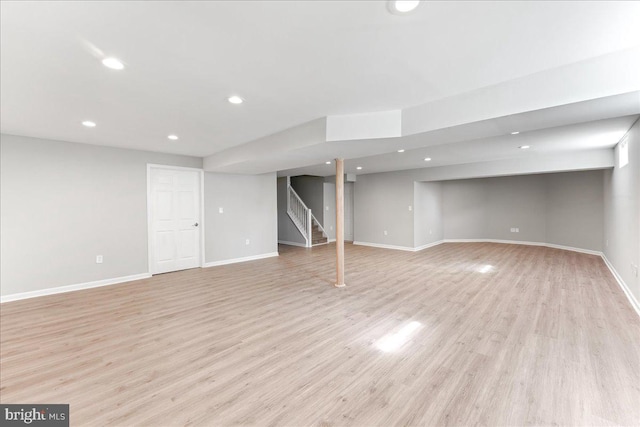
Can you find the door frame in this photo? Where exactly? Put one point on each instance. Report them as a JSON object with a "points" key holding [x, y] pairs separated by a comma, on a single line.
{"points": [[200, 171]]}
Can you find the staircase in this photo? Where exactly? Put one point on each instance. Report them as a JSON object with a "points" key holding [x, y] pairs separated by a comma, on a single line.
{"points": [[304, 220], [317, 235]]}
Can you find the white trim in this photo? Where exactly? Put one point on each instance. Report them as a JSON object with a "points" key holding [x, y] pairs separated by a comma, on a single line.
{"points": [[183, 168], [202, 233], [284, 242], [400, 248], [71, 288], [569, 248], [149, 248], [428, 245], [331, 240], [521, 242], [634, 302], [244, 259], [201, 222], [380, 245]]}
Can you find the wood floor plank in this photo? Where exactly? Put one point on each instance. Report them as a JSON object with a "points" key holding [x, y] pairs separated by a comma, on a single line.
{"points": [[458, 334]]}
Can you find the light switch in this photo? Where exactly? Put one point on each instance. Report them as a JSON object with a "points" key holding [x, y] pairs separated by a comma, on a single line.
{"points": [[220, 210]]}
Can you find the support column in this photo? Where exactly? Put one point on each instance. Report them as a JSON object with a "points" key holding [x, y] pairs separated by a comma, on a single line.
{"points": [[340, 223]]}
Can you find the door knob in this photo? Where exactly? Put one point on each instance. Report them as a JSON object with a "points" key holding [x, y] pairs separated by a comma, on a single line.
{"points": [[195, 225]]}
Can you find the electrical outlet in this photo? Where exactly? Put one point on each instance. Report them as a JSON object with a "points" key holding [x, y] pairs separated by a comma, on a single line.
{"points": [[246, 242], [634, 269], [327, 208], [513, 230], [98, 259], [410, 208], [430, 231], [606, 243], [385, 232], [517, 230], [331, 227], [220, 210]]}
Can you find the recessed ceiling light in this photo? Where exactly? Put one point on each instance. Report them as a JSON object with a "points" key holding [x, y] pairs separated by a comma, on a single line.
{"points": [[89, 124], [402, 6], [515, 133], [359, 168], [235, 99], [113, 63], [524, 147], [173, 137], [427, 159], [401, 150], [327, 163]]}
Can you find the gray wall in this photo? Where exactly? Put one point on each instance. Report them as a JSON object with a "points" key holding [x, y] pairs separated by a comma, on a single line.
{"points": [[518, 201], [464, 205], [349, 225], [487, 208], [575, 209], [64, 203], [622, 215], [381, 202], [563, 208], [427, 205], [560, 208], [250, 211], [311, 191], [330, 209], [382, 199], [287, 231]]}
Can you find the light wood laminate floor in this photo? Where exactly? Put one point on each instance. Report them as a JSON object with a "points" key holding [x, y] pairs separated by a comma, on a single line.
{"points": [[484, 334]]}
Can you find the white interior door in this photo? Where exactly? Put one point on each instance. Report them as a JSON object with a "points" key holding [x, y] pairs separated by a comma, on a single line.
{"points": [[174, 219], [348, 211]]}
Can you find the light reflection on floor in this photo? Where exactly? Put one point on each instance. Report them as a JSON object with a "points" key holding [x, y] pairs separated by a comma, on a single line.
{"points": [[486, 269], [392, 342]]}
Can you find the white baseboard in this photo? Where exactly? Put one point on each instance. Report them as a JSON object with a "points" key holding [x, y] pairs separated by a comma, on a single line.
{"points": [[428, 245], [284, 242], [521, 242], [76, 287], [331, 240], [623, 285], [632, 300], [508, 242], [570, 248], [399, 248], [243, 259], [382, 246]]}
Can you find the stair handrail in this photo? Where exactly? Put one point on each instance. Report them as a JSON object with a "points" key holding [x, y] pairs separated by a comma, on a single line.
{"points": [[324, 233], [300, 214]]}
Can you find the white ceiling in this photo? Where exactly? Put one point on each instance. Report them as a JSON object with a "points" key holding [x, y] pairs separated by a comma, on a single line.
{"points": [[293, 62], [584, 136]]}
